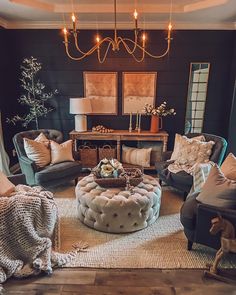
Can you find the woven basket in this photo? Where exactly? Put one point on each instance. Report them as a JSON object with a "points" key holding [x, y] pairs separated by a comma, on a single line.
{"points": [[88, 156], [107, 151], [118, 182]]}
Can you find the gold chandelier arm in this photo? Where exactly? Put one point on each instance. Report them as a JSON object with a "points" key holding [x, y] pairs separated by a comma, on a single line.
{"points": [[79, 57], [107, 39], [148, 53], [105, 54], [135, 42], [162, 55], [133, 55], [77, 44]]}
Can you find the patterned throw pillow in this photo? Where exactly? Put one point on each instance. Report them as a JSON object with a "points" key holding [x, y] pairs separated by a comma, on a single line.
{"points": [[228, 167], [136, 156], [178, 145], [38, 150], [194, 151], [218, 190], [61, 152]]}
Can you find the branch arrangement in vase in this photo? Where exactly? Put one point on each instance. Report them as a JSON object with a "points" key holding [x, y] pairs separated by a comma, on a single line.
{"points": [[35, 97], [160, 111]]}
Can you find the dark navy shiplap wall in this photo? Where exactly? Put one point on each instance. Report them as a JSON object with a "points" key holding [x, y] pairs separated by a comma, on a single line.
{"points": [[216, 47]]}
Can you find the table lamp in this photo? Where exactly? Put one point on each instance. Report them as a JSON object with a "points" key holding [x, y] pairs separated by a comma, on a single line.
{"points": [[80, 107]]}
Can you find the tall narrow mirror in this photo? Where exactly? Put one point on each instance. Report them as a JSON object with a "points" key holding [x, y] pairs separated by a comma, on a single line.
{"points": [[197, 95]]}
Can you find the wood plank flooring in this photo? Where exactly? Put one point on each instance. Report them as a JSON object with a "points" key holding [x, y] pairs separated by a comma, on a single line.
{"points": [[79, 281]]}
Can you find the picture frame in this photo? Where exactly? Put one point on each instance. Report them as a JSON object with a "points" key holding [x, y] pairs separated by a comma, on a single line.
{"points": [[138, 88], [101, 88]]}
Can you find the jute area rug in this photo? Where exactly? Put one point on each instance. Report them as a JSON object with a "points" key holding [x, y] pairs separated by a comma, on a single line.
{"points": [[161, 245]]}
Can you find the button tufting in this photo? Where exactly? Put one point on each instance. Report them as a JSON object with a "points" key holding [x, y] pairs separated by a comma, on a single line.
{"points": [[129, 214], [135, 224], [107, 225], [115, 215], [121, 226]]}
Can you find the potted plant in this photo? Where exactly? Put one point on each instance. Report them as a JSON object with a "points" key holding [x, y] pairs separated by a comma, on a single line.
{"points": [[35, 96], [156, 114]]}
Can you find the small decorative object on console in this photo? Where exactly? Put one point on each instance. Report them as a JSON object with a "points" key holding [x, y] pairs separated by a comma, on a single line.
{"points": [[101, 129], [110, 173], [157, 114]]}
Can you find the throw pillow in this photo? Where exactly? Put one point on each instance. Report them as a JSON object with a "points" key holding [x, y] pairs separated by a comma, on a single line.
{"points": [[194, 151], [43, 139], [178, 146], [61, 152], [218, 190], [37, 152], [136, 156], [6, 187], [228, 167]]}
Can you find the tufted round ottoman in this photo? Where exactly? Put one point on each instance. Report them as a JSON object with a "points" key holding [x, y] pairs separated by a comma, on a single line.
{"points": [[116, 210]]}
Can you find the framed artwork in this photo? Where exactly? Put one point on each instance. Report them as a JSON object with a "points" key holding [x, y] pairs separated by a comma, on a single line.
{"points": [[139, 88], [101, 88]]}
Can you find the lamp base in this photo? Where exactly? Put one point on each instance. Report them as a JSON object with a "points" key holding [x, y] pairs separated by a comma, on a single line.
{"points": [[81, 123]]}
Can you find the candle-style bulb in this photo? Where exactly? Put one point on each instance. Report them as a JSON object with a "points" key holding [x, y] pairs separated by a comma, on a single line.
{"points": [[144, 37], [73, 18], [135, 14], [65, 35], [97, 39], [170, 27]]}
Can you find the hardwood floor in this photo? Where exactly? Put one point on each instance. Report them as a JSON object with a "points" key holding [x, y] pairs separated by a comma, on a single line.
{"points": [[79, 281]]}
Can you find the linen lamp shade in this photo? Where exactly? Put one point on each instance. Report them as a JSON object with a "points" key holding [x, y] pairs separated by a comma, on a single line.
{"points": [[80, 107]]}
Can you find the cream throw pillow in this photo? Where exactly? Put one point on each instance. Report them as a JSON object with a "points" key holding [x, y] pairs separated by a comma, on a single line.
{"points": [[43, 139], [193, 151], [178, 144], [37, 151], [61, 152], [136, 156], [6, 187], [218, 190], [228, 167]]}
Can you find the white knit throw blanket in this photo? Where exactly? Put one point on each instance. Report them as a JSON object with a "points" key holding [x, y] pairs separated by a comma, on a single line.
{"points": [[27, 222]]}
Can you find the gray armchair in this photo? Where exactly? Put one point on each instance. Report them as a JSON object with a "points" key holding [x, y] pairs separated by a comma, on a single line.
{"points": [[182, 180], [50, 175], [196, 220]]}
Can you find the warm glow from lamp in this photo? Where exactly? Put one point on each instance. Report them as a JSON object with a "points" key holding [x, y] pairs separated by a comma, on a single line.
{"points": [[170, 27], [97, 39], [144, 37], [135, 14]]}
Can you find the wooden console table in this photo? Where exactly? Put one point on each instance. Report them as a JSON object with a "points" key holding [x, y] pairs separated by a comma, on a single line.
{"points": [[119, 136]]}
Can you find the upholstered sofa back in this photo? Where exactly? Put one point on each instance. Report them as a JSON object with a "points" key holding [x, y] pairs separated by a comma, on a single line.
{"points": [[32, 134]]}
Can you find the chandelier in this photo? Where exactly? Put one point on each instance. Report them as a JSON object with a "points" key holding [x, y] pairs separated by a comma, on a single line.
{"points": [[133, 47]]}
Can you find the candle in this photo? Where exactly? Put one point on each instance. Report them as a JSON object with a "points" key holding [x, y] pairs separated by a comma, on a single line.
{"points": [[130, 119], [169, 30], [139, 123], [144, 39], [136, 19], [65, 35], [136, 125], [73, 22], [98, 42]]}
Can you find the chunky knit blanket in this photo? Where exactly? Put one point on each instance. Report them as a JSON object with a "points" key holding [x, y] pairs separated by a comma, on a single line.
{"points": [[27, 224]]}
